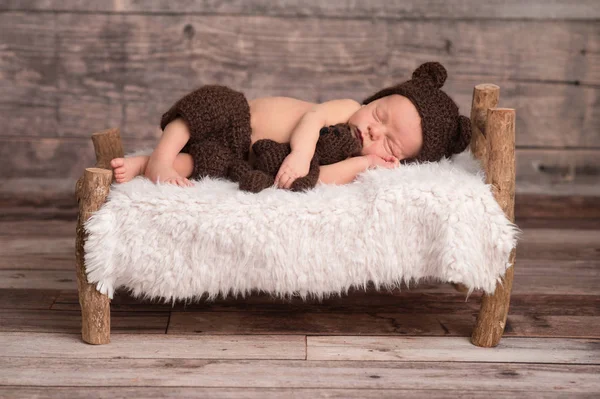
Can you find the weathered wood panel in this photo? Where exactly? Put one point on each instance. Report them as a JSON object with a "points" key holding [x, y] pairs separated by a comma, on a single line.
{"points": [[92, 71], [38, 279], [70, 321], [39, 228], [414, 314], [427, 299], [549, 215], [558, 172], [52, 157], [374, 323], [299, 347], [28, 299], [126, 346], [299, 374], [18, 392], [521, 350], [33, 252], [559, 244], [509, 9], [562, 211]]}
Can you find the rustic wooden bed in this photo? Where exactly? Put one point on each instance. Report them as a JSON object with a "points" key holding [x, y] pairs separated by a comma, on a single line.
{"points": [[493, 144]]}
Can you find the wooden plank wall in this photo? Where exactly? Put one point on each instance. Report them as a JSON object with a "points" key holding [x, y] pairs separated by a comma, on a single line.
{"points": [[69, 68]]}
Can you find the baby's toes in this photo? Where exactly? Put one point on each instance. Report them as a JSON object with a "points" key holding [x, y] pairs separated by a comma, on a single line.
{"points": [[183, 182], [120, 170], [176, 181], [116, 162]]}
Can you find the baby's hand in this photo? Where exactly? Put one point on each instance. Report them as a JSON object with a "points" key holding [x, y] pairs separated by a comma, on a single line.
{"points": [[294, 166], [388, 162]]}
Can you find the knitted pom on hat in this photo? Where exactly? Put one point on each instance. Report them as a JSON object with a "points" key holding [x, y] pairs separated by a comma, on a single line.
{"points": [[432, 73]]}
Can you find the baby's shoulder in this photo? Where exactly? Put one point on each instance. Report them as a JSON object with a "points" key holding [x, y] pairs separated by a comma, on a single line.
{"points": [[338, 110]]}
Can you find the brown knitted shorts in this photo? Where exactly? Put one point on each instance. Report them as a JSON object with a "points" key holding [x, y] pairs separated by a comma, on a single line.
{"points": [[219, 123]]}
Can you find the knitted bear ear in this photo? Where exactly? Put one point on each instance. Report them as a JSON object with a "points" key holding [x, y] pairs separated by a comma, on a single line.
{"points": [[463, 135], [433, 73]]}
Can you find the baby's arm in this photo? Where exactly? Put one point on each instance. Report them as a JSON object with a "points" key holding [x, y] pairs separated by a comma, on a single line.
{"points": [[344, 171], [306, 134], [304, 138]]}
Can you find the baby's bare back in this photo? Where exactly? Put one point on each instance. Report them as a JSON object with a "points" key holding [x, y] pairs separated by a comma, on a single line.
{"points": [[275, 118]]}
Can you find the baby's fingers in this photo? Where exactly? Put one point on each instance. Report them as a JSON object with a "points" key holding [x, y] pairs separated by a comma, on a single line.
{"points": [[285, 181], [279, 175], [282, 177], [289, 183]]}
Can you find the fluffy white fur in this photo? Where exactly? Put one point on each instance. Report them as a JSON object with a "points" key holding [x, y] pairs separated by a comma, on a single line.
{"points": [[426, 221]]}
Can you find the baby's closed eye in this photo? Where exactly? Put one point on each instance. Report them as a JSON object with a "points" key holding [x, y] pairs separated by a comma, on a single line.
{"points": [[388, 147]]}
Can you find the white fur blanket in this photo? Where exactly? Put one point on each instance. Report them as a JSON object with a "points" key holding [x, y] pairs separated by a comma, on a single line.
{"points": [[425, 221]]}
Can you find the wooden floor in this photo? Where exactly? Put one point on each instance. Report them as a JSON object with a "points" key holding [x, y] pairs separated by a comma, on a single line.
{"points": [[409, 343]]}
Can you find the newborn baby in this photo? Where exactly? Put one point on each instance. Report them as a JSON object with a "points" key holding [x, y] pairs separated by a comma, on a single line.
{"points": [[412, 121]]}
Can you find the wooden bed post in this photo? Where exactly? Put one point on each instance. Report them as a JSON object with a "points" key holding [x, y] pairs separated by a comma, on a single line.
{"points": [[91, 191], [493, 143], [485, 96]]}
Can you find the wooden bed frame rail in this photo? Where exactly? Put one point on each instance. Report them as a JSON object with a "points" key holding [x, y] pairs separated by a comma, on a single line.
{"points": [[493, 144]]}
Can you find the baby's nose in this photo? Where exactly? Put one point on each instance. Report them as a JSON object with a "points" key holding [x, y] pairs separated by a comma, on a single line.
{"points": [[374, 133]]}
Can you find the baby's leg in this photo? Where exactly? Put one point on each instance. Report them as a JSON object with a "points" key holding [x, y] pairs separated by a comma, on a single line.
{"points": [[184, 165], [127, 168], [160, 165]]}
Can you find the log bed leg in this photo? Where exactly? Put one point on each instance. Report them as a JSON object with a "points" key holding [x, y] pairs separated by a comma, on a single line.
{"points": [[500, 173], [485, 96], [91, 191]]}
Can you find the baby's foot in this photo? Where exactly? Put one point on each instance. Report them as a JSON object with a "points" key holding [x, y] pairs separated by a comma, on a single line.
{"points": [[127, 168], [162, 172]]}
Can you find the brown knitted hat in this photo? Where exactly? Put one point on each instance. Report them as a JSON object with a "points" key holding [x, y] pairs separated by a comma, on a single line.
{"points": [[445, 131]]}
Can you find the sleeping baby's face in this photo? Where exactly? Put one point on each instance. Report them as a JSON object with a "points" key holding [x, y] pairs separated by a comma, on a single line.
{"points": [[390, 125]]}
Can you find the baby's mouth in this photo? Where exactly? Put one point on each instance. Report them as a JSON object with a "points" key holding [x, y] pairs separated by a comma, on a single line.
{"points": [[358, 135]]}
